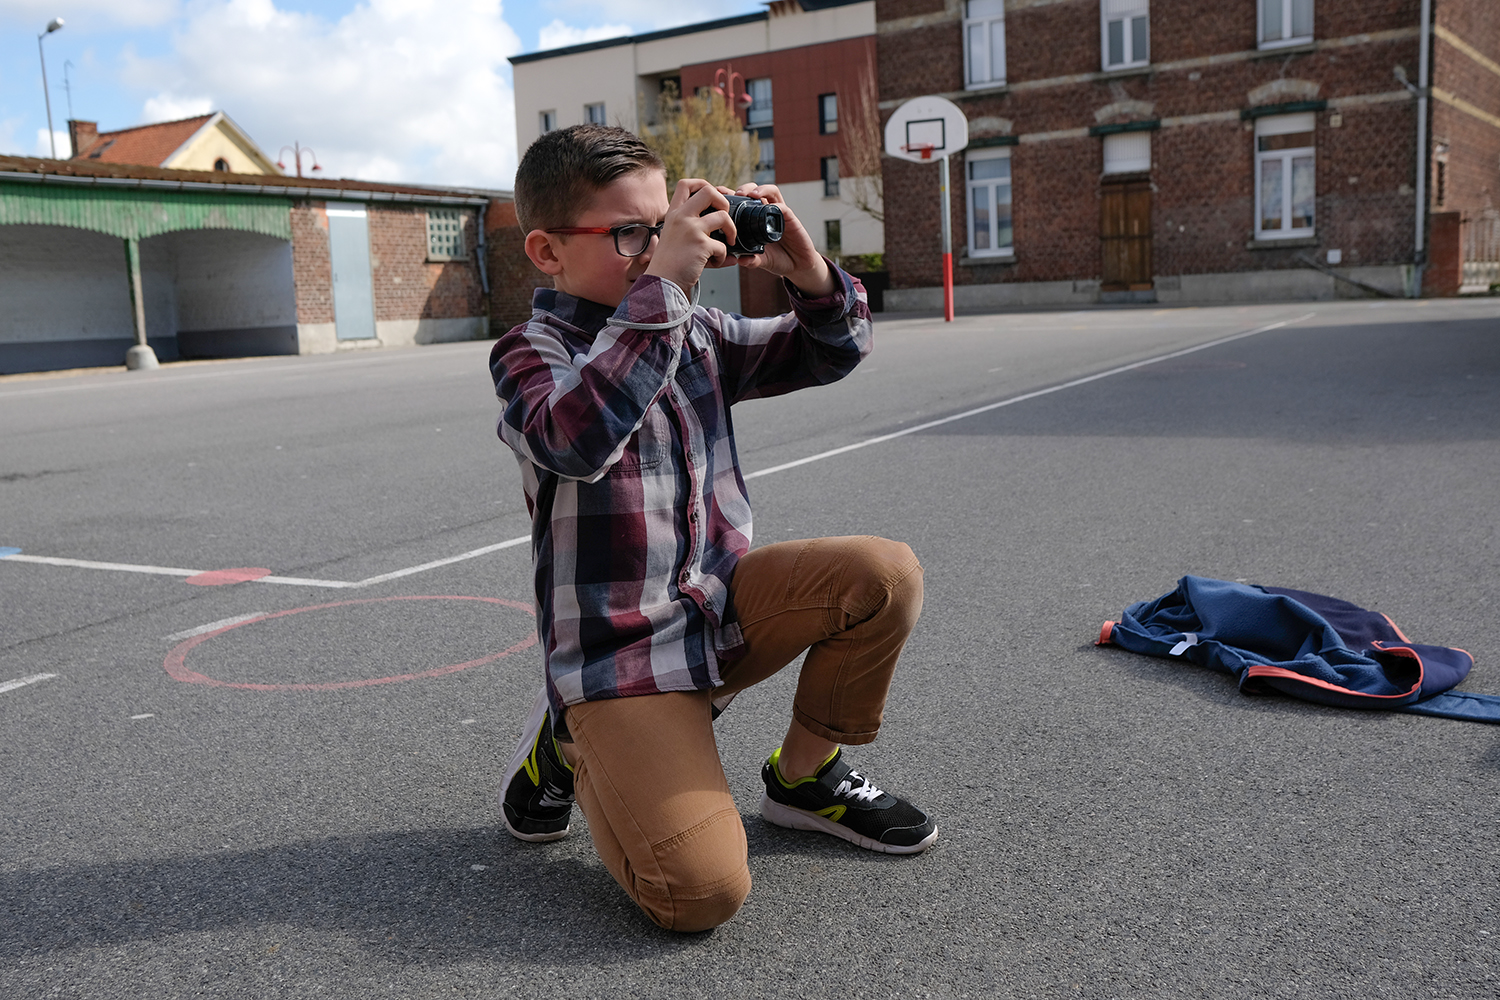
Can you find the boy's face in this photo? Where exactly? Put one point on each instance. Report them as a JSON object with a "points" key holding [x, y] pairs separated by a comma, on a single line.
{"points": [[588, 266]]}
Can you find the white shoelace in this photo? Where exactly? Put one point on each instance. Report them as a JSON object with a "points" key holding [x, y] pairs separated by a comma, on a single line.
{"points": [[865, 791]]}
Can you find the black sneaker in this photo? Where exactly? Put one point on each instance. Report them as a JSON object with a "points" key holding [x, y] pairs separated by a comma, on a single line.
{"points": [[841, 801], [537, 794]]}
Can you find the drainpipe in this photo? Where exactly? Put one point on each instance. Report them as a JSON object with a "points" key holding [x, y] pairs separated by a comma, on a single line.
{"points": [[481, 217], [1419, 258], [140, 356], [484, 276]]}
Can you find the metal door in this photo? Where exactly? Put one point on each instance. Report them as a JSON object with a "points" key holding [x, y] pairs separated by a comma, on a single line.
{"points": [[353, 292], [1125, 231]]}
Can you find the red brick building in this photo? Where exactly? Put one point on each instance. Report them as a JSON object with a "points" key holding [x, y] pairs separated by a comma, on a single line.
{"points": [[1170, 150], [97, 256]]}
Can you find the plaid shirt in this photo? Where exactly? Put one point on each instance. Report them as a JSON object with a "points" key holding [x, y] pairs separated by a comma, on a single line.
{"points": [[620, 422]]}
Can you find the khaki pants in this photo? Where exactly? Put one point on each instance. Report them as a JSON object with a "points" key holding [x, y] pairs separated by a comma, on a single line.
{"points": [[647, 770]]}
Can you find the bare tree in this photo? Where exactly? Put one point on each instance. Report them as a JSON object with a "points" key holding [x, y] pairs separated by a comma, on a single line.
{"points": [[699, 137], [861, 141]]}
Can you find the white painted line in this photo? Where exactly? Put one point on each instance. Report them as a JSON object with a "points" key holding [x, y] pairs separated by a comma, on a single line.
{"points": [[1021, 398], [23, 681], [297, 581], [302, 581], [486, 550], [147, 715], [212, 626], [118, 567]]}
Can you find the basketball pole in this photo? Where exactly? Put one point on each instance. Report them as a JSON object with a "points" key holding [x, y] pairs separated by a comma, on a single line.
{"points": [[947, 244]]}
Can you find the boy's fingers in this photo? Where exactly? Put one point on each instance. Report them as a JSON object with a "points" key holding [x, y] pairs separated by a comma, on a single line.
{"points": [[707, 197], [769, 193], [720, 220]]}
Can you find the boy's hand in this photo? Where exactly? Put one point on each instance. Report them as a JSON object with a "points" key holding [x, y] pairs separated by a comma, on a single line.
{"points": [[793, 257], [685, 247]]}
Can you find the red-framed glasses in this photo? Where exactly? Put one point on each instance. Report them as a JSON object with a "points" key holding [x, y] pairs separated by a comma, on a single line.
{"points": [[631, 239]]}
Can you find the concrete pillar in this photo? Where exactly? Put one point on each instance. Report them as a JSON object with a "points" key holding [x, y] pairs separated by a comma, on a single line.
{"points": [[141, 355]]}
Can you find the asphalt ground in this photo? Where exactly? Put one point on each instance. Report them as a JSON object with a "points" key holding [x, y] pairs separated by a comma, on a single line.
{"points": [[1112, 825]]}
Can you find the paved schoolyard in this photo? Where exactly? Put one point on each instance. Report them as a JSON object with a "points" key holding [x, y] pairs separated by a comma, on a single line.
{"points": [[298, 801]]}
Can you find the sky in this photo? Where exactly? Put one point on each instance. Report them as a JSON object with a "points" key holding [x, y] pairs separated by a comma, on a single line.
{"points": [[391, 90]]}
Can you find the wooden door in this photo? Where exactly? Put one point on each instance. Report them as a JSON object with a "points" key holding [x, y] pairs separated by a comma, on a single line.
{"points": [[1125, 232]]}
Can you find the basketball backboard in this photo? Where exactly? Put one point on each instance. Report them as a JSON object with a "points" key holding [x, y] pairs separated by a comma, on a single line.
{"points": [[925, 128]]}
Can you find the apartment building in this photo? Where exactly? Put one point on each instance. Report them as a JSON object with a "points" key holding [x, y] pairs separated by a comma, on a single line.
{"points": [[792, 70], [1177, 151]]}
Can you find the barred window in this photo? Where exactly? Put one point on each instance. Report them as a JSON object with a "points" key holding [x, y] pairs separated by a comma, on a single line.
{"points": [[445, 234]]}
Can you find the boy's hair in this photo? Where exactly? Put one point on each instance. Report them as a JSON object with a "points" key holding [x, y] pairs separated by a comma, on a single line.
{"points": [[561, 171]]}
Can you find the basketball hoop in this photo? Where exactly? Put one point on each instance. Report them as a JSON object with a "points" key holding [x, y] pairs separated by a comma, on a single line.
{"points": [[914, 132]]}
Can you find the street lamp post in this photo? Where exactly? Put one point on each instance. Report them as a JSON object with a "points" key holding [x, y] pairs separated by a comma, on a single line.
{"points": [[55, 24], [297, 150]]}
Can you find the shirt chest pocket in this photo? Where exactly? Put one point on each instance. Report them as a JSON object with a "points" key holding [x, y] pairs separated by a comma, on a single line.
{"points": [[699, 387], [649, 447]]}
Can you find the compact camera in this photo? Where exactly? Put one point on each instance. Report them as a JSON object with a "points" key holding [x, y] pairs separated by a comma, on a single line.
{"points": [[755, 225]]}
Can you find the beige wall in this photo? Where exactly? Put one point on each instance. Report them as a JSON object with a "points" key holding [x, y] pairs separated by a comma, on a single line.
{"points": [[566, 83], [860, 233], [221, 142]]}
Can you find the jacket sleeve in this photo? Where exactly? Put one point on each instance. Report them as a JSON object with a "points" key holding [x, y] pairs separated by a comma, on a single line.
{"points": [[819, 341], [574, 415]]}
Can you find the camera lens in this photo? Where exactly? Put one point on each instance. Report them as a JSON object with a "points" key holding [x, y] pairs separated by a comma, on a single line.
{"points": [[755, 225]]}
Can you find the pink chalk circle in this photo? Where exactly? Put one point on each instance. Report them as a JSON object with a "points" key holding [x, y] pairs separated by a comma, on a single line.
{"points": [[219, 577], [177, 668]]}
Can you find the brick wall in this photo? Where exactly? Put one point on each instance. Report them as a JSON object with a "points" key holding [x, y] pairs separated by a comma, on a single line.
{"points": [[1205, 70], [1473, 168], [311, 268], [513, 277], [1445, 257], [409, 286], [798, 76]]}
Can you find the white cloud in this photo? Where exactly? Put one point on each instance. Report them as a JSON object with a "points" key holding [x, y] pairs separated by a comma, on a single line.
{"points": [[124, 12], [44, 148], [166, 107], [558, 35], [396, 90]]}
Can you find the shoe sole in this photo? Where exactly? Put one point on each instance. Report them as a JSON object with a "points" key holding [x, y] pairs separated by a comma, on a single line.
{"points": [[518, 763], [800, 819]]}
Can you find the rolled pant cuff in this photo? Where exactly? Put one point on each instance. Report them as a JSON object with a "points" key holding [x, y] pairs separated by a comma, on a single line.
{"points": [[838, 736]]}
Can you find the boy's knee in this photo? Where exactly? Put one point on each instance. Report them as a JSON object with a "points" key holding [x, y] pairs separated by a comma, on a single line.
{"points": [[889, 577], [701, 908]]}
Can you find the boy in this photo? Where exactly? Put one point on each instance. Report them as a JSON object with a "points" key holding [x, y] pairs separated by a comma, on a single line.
{"points": [[652, 610]]}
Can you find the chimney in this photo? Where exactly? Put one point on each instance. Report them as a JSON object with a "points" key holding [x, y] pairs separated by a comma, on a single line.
{"points": [[82, 134]]}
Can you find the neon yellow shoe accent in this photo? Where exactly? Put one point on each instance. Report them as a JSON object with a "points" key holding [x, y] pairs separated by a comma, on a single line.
{"points": [[776, 769], [834, 813], [532, 771]]}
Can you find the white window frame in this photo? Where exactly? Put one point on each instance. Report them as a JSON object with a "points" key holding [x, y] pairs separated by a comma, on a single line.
{"points": [[445, 234], [765, 169], [1125, 149], [763, 107], [546, 121], [828, 125], [1286, 7], [972, 156], [1274, 125], [591, 117], [991, 24], [1124, 12]]}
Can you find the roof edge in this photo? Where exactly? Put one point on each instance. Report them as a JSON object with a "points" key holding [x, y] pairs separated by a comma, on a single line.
{"points": [[650, 36], [34, 170]]}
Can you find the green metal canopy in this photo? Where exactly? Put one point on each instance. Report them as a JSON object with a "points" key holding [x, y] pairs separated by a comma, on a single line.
{"points": [[132, 213]]}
